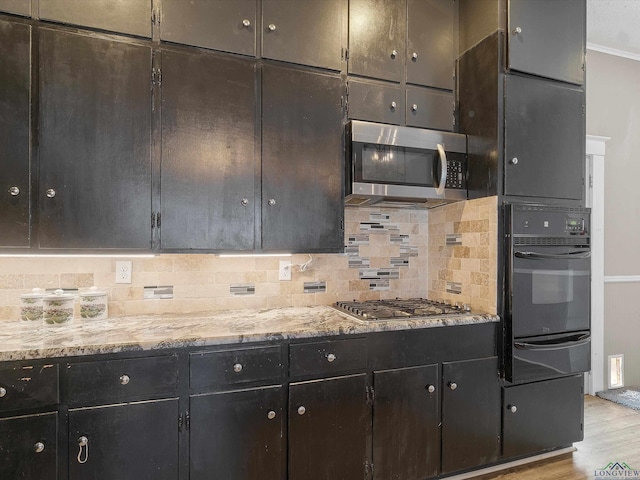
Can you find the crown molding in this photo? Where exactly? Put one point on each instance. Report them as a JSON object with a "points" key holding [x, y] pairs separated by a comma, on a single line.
{"points": [[613, 51]]}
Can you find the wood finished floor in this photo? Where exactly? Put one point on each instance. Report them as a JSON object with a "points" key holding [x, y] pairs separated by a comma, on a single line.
{"points": [[612, 433]]}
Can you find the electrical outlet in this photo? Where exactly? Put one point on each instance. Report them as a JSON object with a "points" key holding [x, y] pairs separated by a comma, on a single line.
{"points": [[123, 272], [284, 273]]}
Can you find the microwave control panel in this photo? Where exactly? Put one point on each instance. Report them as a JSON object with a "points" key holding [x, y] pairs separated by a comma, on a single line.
{"points": [[456, 174]]}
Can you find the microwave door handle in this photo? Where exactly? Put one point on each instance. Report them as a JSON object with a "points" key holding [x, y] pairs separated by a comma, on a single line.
{"points": [[443, 169], [554, 256], [580, 340]]}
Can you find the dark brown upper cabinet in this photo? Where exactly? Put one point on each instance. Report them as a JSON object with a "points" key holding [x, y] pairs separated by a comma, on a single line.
{"points": [[306, 33], [208, 151], [548, 39], [132, 17], [302, 155], [216, 24], [15, 128], [95, 131], [17, 7]]}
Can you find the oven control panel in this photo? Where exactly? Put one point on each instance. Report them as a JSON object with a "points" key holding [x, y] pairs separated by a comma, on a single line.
{"points": [[549, 221], [574, 225]]}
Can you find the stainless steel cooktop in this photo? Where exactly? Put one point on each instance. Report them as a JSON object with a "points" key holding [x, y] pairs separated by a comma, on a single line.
{"points": [[399, 309]]}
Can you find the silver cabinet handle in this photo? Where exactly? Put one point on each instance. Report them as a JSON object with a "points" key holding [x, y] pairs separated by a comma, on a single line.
{"points": [[514, 161], [393, 105], [14, 191], [124, 379], [3, 392], [453, 385], [431, 389], [244, 202], [246, 23], [331, 358], [271, 415], [237, 367], [443, 169], [517, 31], [512, 408], [414, 107], [394, 53], [51, 193], [38, 447], [414, 56], [301, 410], [271, 27], [83, 443], [272, 202]]}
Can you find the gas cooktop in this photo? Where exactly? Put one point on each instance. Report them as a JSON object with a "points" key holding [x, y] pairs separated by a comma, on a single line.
{"points": [[399, 309]]}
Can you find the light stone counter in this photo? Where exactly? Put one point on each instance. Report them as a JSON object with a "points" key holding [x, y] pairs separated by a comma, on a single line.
{"points": [[87, 337]]}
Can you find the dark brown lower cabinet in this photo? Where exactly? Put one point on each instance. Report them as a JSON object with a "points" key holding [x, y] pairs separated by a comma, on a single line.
{"points": [[406, 418], [329, 425], [237, 435], [28, 447], [470, 414], [543, 415], [125, 441]]}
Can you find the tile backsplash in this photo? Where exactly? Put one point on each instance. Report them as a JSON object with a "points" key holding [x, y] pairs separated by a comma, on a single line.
{"points": [[385, 257]]}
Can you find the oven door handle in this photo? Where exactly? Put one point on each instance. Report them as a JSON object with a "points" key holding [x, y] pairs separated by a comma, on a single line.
{"points": [[581, 340], [443, 169], [554, 256]]}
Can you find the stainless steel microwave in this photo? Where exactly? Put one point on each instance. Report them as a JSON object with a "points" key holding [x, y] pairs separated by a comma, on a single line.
{"points": [[404, 166]]}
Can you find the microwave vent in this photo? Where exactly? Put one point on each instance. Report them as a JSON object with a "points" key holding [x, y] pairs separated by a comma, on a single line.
{"points": [[552, 241]]}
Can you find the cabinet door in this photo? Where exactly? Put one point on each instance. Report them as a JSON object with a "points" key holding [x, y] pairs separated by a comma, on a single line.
{"points": [[28, 447], [470, 414], [302, 158], [406, 417], [544, 138], [132, 17], [15, 128], [375, 102], [377, 43], [238, 435], [543, 415], [431, 30], [126, 441], [548, 38], [427, 108], [307, 33], [217, 24], [208, 152], [95, 130], [18, 7], [329, 421]]}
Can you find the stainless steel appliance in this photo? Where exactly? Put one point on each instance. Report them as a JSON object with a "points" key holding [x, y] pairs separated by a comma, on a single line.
{"points": [[399, 309], [548, 315], [404, 166]]}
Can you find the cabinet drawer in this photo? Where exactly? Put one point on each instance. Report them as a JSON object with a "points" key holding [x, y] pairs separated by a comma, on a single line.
{"points": [[231, 367], [121, 379], [28, 386], [327, 357]]}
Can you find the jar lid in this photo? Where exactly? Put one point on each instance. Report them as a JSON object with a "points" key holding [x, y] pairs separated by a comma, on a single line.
{"points": [[35, 293], [58, 295], [93, 292]]}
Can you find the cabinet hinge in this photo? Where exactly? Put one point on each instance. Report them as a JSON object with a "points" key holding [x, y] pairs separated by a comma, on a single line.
{"points": [[346, 54], [156, 76], [368, 469], [155, 18], [155, 220], [371, 394], [591, 181], [187, 420], [180, 422], [158, 219]]}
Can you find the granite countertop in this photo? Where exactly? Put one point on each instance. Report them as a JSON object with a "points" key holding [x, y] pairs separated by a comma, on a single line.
{"points": [[121, 334]]}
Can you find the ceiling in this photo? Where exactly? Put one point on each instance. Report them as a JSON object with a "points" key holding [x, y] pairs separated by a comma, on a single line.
{"points": [[614, 24]]}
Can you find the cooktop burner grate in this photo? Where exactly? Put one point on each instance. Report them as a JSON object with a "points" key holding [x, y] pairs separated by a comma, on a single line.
{"points": [[399, 309]]}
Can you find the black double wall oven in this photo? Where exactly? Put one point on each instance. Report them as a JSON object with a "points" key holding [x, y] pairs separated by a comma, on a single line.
{"points": [[548, 308]]}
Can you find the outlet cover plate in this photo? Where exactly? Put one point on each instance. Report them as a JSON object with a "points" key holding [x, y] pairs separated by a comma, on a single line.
{"points": [[284, 272], [123, 271]]}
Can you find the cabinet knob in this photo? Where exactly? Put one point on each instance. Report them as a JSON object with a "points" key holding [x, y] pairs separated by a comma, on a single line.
{"points": [[431, 388], [453, 385], [514, 161], [272, 202], [14, 191], [83, 453], [244, 202], [414, 107], [393, 105], [246, 23], [301, 410], [331, 358], [38, 447], [517, 31], [394, 53], [51, 193], [414, 56], [124, 379], [271, 415], [512, 408], [3, 392], [272, 27], [237, 367]]}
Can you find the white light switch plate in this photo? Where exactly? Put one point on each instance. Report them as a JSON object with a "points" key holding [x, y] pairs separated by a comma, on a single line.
{"points": [[123, 271], [284, 272]]}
